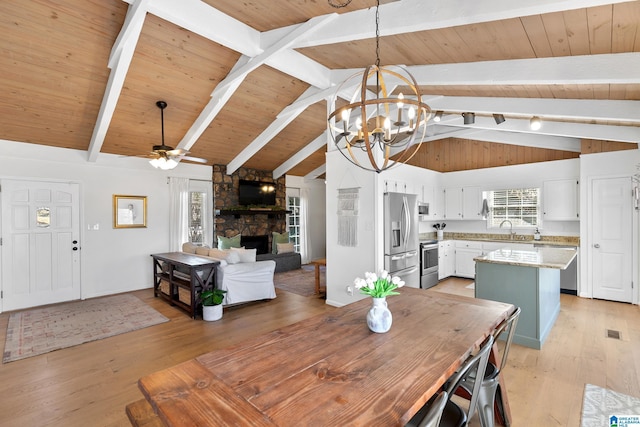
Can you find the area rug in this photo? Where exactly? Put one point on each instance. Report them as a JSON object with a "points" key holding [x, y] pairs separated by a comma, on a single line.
{"points": [[604, 407], [41, 330], [301, 281]]}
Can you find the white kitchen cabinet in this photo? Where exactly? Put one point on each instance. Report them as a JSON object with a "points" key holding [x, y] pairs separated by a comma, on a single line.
{"points": [[434, 196], [446, 259], [462, 203], [465, 252], [471, 203], [453, 203], [561, 200]]}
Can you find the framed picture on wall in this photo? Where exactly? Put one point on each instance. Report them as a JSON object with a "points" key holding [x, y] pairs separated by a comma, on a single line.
{"points": [[129, 211]]}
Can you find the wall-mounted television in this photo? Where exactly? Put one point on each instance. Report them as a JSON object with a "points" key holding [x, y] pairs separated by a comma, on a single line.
{"points": [[256, 193]]}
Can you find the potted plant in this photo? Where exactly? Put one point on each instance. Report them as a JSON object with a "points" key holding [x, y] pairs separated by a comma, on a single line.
{"points": [[212, 304]]}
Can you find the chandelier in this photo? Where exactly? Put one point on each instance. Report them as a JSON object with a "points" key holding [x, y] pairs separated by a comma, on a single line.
{"points": [[388, 128]]}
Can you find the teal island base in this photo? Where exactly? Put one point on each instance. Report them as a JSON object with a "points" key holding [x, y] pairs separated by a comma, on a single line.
{"points": [[535, 290]]}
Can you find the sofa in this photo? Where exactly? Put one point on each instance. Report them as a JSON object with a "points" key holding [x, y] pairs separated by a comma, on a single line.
{"points": [[239, 273], [284, 261]]}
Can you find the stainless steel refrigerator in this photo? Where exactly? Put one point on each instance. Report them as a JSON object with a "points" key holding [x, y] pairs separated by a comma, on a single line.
{"points": [[401, 247]]}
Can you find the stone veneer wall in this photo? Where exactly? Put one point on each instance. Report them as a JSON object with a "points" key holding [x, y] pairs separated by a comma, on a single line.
{"points": [[225, 196]]}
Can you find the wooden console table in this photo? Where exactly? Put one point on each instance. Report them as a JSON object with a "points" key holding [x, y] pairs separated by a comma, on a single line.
{"points": [[180, 274], [318, 263]]}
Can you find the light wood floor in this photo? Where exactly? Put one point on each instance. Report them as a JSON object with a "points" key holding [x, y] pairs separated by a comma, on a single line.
{"points": [[90, 385]]}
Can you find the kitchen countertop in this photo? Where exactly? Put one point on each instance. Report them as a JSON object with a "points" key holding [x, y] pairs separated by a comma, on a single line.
{"points": [[559, 258], [504, 238]]}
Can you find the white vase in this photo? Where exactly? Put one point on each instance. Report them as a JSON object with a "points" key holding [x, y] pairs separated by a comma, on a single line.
{"points": [[212, 312], [379, 317]]}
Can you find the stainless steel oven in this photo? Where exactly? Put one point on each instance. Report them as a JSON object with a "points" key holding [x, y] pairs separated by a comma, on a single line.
{"points": [[428, 264]]}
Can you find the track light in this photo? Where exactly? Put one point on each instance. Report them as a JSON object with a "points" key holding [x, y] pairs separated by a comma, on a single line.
{"points": [[438, 116], [499, 118], [535, 123], [469, 118]]}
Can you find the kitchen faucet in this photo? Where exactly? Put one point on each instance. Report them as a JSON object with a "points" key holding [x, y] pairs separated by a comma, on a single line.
{"points": [[511, 233]]}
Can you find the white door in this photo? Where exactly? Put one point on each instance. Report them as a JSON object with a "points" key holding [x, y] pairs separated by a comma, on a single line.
{"points": [[610, 240], [40, 243]]}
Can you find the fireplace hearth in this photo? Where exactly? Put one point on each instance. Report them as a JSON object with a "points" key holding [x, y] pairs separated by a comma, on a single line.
{"points": [[260, 243]]}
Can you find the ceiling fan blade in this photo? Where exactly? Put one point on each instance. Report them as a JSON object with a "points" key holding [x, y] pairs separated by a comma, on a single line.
{"points": [[194, 159], [177, 152]]}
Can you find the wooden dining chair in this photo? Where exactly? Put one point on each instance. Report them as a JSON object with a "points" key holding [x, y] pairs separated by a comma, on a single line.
{"points": [[452, 414], [490, 384]]}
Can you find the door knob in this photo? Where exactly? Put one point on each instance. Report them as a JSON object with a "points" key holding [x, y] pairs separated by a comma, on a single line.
{"points": [[596, 246], [75, 242], [75, 248]]}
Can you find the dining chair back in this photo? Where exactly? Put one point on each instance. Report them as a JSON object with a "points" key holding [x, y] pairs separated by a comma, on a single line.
{"points": [[434, 414], [447, 412], [475, 366], [488, 395]]}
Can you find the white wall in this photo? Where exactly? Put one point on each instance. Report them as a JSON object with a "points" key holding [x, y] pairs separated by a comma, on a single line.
{"points": [[112, 260], [344, 264], [317, 213]]}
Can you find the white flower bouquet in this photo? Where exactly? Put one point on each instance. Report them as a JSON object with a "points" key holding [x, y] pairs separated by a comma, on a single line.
{"points": [[378, 285]]}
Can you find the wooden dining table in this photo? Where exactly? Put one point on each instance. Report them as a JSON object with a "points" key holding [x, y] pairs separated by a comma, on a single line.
{"points": [[330, 370]]}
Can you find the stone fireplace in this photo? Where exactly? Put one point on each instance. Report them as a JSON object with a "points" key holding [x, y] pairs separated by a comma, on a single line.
{"points": [[231, 219], [260, 243]]}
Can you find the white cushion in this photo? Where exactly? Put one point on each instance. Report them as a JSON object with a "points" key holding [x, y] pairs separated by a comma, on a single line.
{"points": [[246, 255], [284, 247]]}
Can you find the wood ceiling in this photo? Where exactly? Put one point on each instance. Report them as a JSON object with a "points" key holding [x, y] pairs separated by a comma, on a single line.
{"points": [[247, 82]]}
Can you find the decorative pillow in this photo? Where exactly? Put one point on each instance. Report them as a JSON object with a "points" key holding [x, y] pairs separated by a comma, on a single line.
{"points": [[229, 242], [202, 250], [283, 248], [225, 255], [246, 255], [278, 238]]}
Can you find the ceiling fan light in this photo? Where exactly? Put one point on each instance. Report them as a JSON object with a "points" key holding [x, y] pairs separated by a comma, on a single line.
{"points": [[166, 164], [499, 118], [535, 123], [438, 116], [155, 163]]}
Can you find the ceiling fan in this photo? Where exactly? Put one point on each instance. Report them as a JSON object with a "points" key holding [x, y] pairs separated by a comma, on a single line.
{"points": [[165, 157]]}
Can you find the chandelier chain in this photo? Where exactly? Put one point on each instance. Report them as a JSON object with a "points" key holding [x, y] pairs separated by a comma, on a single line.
{"points": [[378, 34]]}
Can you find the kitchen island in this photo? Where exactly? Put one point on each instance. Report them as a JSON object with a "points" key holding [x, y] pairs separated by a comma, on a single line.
{"points": [[529, 279]]}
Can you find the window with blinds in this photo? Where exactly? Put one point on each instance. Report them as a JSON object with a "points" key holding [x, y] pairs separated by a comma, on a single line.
{"points": [[521, 206]]}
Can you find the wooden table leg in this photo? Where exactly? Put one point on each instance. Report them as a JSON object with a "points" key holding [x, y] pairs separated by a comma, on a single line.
{"points": [[317, 265]]}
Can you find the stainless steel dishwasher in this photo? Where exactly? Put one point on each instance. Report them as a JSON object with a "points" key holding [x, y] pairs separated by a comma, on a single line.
{"points": [[568, 276]]}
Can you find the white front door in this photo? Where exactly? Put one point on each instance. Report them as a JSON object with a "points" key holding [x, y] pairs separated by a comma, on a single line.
{"points": [[610, 241], [40, 243]]}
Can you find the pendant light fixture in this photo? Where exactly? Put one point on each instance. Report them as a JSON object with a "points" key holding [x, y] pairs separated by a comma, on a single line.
{"points": [[389, 128]]}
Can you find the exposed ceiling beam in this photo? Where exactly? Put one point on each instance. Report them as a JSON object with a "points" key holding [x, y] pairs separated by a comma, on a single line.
{"points": [[271, 131], [565, 109], [316, 172], [308, 150], [629, 134], [549, 142], [119, 62], [225, 89], [415, 15]]}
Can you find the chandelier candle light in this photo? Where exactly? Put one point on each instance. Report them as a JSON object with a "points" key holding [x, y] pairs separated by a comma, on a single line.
{"points": [[367, 119], [380, 286]]}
